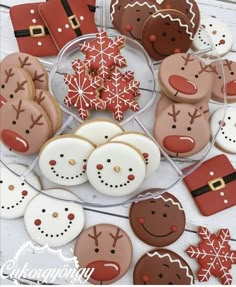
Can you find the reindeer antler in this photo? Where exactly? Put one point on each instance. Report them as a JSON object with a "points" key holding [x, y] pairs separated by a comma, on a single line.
{"points": [[9, 74], [95, 236], [174, 114], [213, 69], [20, 86], [40, 98], [228, 64], [204, 68], [24, 62], [18, 109], [116, 237], [194, 116], [35, 122], [37, 77], [187, 59]]}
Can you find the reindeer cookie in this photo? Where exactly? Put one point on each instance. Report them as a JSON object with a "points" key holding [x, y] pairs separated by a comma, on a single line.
{"points": [[15, 84], [188, 80], [106, 248], [25, 126], [181, 130], [230, 81]]}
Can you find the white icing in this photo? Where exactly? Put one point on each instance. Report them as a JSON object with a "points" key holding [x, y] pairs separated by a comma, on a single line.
{"points": [[141, 5], [226, 138], [70, 154], [59, 30], [98, 132], [145, 145], [112, 156], [113, 7], [39, 43], [189, 2], [13, 202], [44, 208]]}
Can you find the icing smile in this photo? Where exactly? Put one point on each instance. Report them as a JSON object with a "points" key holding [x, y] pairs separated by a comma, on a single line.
{"points": [[130, 178], [167, 234], [155, 50], [16, 204], [67, 177], [227, 137], [132, 35]]}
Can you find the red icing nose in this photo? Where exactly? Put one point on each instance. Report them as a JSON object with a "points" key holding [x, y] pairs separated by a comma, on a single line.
{"points": [[14, 141], [104, 270], [179, 144], [2, 101], [182, 85], [230, 88]]}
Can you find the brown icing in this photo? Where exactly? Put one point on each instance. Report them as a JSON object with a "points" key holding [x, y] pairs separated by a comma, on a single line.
{"points": [[116, 9]]}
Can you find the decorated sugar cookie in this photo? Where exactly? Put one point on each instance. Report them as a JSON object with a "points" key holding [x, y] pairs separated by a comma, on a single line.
{"points": [[226, 138], [106, 248], [159, 221], [54, 222], [167, 32], [145, 145], [15, 193], [98, 131], [190, 80], [63, 159], [25, 126], [116, 9], [181, 130], [162, 267], [218, 32], [116, 169]]}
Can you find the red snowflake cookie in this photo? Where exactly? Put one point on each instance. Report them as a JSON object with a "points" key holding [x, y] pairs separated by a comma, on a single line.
{"points": [[103, 53], [83, 90], [118, 94], [214, 255]]}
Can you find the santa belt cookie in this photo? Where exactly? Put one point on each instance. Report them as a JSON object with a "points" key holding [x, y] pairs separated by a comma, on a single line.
{"points": [[33, 31]]}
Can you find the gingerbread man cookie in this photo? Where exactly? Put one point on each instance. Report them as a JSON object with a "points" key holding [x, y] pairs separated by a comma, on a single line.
{"points": [[162, 267], [51, 221], [63, 159], [116, 169], [159, 221], [182, 130], [15, 193], [106, 248], [25, 126]]}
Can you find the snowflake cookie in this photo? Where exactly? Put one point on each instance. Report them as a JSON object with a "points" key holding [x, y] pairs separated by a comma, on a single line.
{"points": [[83, 90], [103, 53], [119, 93], [214, 255]]}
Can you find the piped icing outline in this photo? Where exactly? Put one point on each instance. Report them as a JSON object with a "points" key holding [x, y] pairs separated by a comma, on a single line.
{"points": [[113, 9], [141, 5], [191, 11]]}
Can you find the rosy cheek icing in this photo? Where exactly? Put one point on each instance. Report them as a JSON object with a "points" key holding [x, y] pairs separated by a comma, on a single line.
{"points": [[24, 193], [145, 155], [37, 222], [71, 216], [141, 220], [222, 123], [131, 177], [85, 167], [52, 162], [99, 166]]}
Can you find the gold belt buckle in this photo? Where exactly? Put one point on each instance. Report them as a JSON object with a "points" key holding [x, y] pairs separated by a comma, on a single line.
{"points": [[216, 184], [74, 22], [37, 31]]}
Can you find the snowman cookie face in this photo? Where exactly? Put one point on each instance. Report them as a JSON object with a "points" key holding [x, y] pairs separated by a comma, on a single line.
{"points": [[63, 159], [15, 194], [217, 31], [116, 169], [54, 222], [226, 138]]}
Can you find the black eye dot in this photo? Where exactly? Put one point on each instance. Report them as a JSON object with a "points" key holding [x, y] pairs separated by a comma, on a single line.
{"points": [[11, 96], [61, 155], [1, 181], [130, 169], [174, 127], [96, 250], [2, 86], [43, 210], [232, 73], [189, 129], [223, 36], [108, 160], [229, 118], [84, 160], [160, 275], [27, 131], [219, 77], [183, 68], [138, 19], [113, 251], [13, 122], [153, 212], [196, 76], [22, 183], [164, 215], [106, 137], [66, 209], [210, 25], [173, 39], [164, 34]]}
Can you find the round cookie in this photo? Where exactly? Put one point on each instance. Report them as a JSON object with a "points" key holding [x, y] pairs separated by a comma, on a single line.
{"points": [[15, 193], [15, 83], [51, 107], [188, 7], [54, 222], [134, 16], [25, 126], [63, 159], [116, 169], [162, 267], [226, 137], [167, 32], [159, 221], [98, 131], [230, 80], [188, 80], [31, 65], [146, 147], [181, 130], [218, 32], [116, 9], [106, 248]]}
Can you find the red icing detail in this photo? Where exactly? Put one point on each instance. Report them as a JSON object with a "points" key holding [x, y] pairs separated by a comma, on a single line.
{"points": [[37, 222], [203, 26], [174, 228], [131, 177], [24, 192], [2, 101], [85, 167], [230, 88], [14, 141], [182, 85], [104, 270], [52, 162], [100, 166], [167, 6], [141, 220], [71, 216], [222, 42], [152, 38], [176, 51], [128, 28], [179, 144], [145, 155], [145, 278], [223, 124]]}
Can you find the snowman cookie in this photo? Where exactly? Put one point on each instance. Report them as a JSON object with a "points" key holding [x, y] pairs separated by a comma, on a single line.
{"points": [[226, 138], [63, 159], [15, 193], [98, 131], [218, 32], [54, 222], [116, 169], [145, 145]]}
